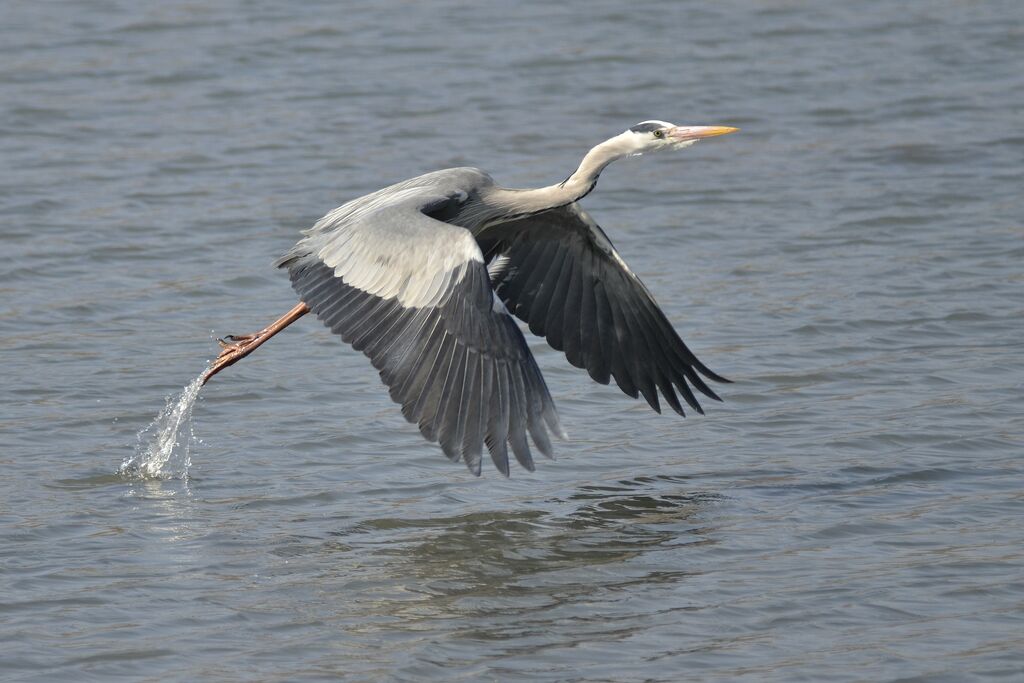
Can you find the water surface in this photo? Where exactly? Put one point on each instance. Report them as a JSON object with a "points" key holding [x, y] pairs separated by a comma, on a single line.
{"points": [[852, 260]]}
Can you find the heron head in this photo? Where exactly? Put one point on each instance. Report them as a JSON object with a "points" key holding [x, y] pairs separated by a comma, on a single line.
{"points": [[652, 136]]}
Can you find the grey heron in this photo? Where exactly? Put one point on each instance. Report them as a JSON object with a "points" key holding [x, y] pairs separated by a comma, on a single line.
{"points": [[424, 277]]}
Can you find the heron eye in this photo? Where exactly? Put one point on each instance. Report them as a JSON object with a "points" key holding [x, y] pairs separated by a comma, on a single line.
{"points": [[659, 133]]}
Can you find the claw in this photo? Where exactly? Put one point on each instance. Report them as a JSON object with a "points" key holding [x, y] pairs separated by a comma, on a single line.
{"points": [[233, 339], [235, 347]]}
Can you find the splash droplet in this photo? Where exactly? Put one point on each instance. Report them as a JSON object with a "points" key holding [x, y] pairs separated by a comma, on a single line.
{"points": [[163, 449]]}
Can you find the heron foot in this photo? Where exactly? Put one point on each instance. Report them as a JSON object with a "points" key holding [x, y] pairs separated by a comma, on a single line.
{"points": [[239, 345], [236, 341], [234, 347]]}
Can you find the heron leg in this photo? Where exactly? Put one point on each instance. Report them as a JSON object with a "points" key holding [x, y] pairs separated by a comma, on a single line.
{"points": [[237, 347]]}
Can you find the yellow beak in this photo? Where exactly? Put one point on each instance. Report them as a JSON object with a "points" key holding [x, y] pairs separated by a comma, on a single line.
{"points": [[685, 133]]}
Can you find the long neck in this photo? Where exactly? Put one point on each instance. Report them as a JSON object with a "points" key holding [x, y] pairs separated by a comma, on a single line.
{"points": [[581, 182]]}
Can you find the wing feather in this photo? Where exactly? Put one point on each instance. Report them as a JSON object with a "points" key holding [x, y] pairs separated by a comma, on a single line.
{"points": [[561, 275], [413, 294], [497, 424]]}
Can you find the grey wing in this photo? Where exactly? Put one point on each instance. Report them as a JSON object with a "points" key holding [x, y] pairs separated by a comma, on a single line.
{"points": [[559, 272], [413, 294]]}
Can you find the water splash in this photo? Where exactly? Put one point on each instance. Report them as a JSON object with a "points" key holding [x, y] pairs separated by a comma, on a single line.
{"points": [[163, 449]]}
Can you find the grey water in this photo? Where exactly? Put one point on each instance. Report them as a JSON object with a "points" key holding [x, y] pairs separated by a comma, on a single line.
{"points": [[852, 260]]}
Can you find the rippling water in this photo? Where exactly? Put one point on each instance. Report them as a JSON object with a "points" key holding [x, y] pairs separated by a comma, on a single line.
{"points": [[852, 259]]}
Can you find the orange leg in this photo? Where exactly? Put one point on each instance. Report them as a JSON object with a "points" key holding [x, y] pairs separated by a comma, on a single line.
{"points": [[237, 347]]}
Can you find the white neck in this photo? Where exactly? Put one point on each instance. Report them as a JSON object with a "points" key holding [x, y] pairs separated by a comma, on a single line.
{"points": [[576, 186]]}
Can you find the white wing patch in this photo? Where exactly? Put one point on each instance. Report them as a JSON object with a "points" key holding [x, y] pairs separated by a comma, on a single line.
{"points": [[384, 245], [496, 268]]}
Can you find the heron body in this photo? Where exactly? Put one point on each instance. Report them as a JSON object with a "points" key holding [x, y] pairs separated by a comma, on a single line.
{"points": [[426, 276]]}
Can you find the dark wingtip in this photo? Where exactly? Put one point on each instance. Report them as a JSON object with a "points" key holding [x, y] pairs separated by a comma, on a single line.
{"points": [[673, 400], [704, 370], [702, 387], [650, 394]]}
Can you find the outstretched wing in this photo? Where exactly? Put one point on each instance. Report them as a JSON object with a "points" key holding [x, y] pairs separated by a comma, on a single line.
{"points": [[413, 294], [559, 272]]}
